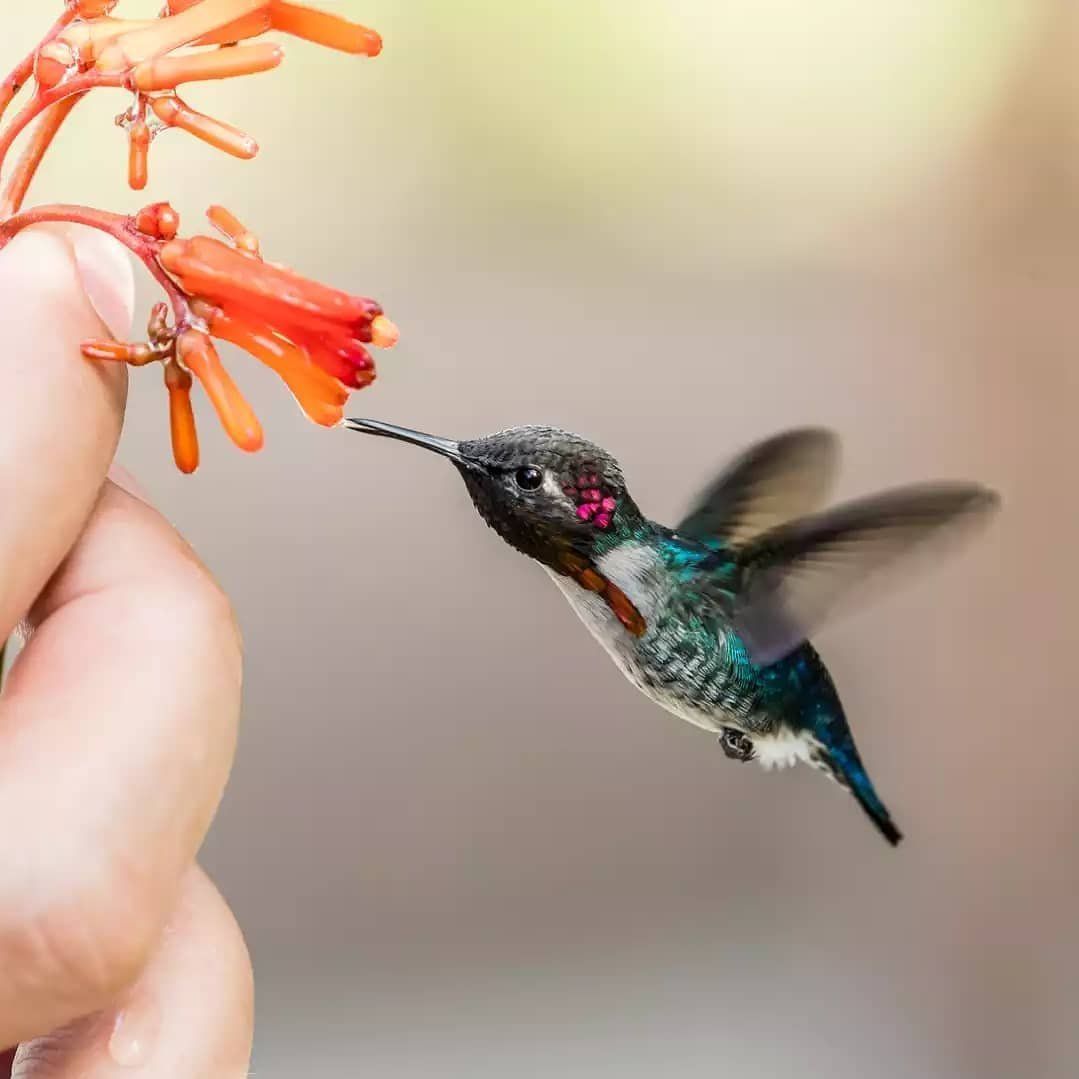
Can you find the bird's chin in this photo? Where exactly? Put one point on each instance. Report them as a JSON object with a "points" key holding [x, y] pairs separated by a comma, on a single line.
{"points": [[467, 467]]}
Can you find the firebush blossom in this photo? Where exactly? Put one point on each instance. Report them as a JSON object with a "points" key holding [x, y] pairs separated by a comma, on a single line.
{"points": [[315, 337]]}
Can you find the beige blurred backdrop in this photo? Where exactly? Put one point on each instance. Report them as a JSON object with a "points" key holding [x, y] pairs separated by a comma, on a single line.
{"points": [[459, 843]]}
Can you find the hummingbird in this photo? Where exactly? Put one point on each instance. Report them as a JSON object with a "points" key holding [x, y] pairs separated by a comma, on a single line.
{"points": [[710, 619]]}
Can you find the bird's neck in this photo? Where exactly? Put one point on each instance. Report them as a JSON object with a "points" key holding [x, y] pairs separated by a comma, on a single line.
{"points": [[628, 526], [624, 569]]}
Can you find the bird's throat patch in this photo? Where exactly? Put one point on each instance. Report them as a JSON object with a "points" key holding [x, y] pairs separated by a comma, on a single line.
{"points": [[590, 579]]}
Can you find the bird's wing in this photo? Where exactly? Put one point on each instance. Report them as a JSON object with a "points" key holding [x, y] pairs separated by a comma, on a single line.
{"points": [[773, 481], [798, 574]]}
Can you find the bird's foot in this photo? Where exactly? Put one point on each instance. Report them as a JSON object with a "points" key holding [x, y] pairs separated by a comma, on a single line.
{"points": [[736, 745]]}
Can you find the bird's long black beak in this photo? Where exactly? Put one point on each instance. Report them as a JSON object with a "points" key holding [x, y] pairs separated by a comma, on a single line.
{"points": [[447, 447]]}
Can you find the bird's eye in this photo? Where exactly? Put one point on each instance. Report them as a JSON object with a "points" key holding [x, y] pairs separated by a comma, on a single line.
{"points": [[528, 478]]}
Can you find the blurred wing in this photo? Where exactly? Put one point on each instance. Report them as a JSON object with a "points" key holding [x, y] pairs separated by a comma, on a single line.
{"points": [[773, 481], [798, 574]]}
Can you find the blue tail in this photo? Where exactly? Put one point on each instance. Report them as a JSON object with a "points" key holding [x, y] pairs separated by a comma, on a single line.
{"points": [[822, 713], [843, 761]]}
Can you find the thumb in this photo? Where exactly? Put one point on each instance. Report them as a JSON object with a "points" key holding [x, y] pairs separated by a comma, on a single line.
{"points": [[103, 272], [60, 415], [104, 269]]}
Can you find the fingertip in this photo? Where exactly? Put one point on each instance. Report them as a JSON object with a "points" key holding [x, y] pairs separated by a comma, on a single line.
{"points": [[107, 277], [190, 1013], [39, 262], [36, 263], [60, 415]]}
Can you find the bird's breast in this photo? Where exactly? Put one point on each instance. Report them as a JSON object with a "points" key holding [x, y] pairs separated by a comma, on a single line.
{"points": [[682, 668], [636, 571]]}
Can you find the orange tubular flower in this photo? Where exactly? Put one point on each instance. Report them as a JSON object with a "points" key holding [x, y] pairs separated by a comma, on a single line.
{"points": [[324, 29], [195, 352], [316, 338], [172, 112], [173, 71], [313, 336], [185, 439], [310, 334]]}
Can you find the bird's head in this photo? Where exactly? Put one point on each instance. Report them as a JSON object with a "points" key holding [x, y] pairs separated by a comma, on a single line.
{"points": [[552, 495]]}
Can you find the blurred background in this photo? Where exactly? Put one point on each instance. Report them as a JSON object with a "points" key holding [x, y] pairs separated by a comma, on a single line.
{"points": [[458, 842]]}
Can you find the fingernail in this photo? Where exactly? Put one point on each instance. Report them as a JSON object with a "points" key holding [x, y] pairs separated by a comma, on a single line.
{"points": [[134, 1032], [107, 278]]}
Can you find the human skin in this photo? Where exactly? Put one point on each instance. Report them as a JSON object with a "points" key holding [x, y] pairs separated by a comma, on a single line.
{"points": [[118, 957]]}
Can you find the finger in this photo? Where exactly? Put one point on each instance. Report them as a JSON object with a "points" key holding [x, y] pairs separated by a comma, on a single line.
{"points": [[189, 1016], [117, 730], [59, 414]]}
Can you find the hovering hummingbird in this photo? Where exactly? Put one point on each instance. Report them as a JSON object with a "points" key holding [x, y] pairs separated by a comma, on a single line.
{"points": [[710, 619]]}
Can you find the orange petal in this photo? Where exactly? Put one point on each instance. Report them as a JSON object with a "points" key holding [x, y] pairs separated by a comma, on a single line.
{"points": [[216, 271], [349, 362], [384, 333], [168, 222], [159, 220], [172, 111], [226, 222], [248, 26], [330, 347], [92, 9], [196, 351], [164, 35], [54, 60], [324, 29], [170, 71], [118, 352], [185, 436], [303, 328], [321, 397], [138, 155], [240, 30], [90, 39]]}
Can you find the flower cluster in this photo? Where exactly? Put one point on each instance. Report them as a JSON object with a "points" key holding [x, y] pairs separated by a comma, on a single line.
{"points": [[314, 337]]}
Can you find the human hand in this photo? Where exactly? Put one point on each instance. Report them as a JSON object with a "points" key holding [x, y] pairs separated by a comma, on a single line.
{"points": [[118, 957]]}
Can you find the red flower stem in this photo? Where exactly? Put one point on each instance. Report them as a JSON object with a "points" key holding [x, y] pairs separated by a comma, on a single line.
{"points": [[144, 248], [49, 124], [46, 98], [11, 86]]}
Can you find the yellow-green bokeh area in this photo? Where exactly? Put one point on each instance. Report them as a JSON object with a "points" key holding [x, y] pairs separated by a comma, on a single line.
{"points": [[741, 129], [755, 117]]}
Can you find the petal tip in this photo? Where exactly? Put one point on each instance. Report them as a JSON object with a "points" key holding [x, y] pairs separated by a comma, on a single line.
{"points": [[384, 332]]}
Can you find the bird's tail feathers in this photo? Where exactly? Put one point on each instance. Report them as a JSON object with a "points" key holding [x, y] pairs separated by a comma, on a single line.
{"points": [[847, 769]]}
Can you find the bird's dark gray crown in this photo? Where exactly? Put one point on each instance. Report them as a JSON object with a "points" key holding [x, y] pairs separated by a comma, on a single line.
{"points": [[562, 452]]}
